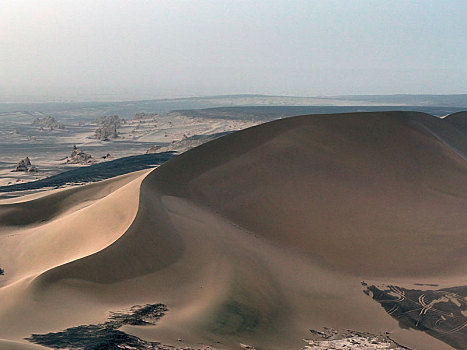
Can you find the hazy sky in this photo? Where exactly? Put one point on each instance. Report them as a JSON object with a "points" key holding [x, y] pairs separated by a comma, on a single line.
{"points": [[148, 49]]}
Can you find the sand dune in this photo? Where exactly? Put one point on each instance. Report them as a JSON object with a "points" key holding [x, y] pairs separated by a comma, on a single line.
{"points": [[459, 120], [253, 238]]}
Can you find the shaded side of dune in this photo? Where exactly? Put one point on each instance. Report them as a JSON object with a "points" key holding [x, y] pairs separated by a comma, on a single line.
{"points": [[459, 120], [356, 191]]}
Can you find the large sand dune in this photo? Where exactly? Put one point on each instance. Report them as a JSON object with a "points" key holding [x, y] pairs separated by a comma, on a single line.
{"points": [[253, 238]]}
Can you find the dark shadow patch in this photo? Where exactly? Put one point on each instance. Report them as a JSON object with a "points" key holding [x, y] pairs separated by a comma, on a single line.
{"points": [[96, 172], [138, 315], [106, 335], [93, 337], [236, 318], [440, 313], [2, 271]]}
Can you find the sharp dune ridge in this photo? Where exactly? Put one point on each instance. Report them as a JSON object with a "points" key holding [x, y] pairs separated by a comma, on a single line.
{"points": [[45, 208], [253, 238]]}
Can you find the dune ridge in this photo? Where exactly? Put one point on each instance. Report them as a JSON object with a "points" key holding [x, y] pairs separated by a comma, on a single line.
{"points": [[253, 238]]}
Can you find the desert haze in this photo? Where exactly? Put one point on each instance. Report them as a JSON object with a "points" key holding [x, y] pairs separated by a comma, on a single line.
{"points": [[310, 232]]}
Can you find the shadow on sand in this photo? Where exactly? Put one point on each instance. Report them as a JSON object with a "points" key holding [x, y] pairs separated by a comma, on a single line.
{"points": [[106, 335], [440, 313]]}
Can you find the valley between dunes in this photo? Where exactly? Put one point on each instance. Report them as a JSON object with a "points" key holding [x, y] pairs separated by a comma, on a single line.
{"points": [[251, 239]]}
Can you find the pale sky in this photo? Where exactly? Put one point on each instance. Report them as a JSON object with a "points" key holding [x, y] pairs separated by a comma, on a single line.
{"points": [[118, 50]]}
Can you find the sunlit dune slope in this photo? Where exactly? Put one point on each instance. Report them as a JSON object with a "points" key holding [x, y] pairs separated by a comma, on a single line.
{"points": [[252, 238]]}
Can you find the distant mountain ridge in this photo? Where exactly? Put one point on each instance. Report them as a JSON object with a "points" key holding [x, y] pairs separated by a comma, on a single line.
{"points": [[129, 108], [455, 100]]}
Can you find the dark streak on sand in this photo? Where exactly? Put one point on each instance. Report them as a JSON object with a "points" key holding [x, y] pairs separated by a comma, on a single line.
{"points": [[440, 313], [96, 172], [106, 335], [236, 318]]}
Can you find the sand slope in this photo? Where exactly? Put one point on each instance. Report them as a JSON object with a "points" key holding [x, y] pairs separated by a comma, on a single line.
{"points": [[252, 238], [458, 120]]}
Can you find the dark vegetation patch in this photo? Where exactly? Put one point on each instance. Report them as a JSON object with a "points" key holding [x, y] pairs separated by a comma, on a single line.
{"points": [[107, 335], [440, 313], [2, 271]]}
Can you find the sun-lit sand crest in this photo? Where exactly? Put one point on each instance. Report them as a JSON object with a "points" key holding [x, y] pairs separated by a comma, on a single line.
{"points": [[254, 238]]}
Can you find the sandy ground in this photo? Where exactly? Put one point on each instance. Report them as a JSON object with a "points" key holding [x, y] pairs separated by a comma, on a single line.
{"points": [[48, 149], [254, 238]]}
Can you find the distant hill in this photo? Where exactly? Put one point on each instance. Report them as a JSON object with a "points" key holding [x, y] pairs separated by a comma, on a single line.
{"points": [[127, 109], [268, 113], [459, 100]]}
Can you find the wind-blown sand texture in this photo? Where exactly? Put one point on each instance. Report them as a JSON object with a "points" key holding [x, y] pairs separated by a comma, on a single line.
{"points": [[250, 240]]}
